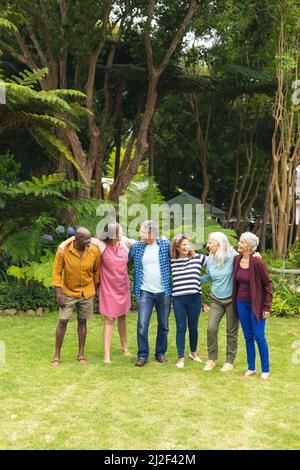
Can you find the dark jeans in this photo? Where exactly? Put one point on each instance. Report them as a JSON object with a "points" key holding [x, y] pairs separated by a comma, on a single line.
{"points": [[187, 311], [253, 331], [162, 304]]}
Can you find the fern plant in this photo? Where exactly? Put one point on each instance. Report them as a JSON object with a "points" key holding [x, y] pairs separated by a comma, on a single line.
{"points": [[40, 271], [28, 205], [41, 112]]}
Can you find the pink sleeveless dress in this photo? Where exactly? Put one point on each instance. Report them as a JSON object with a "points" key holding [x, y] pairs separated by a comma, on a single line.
{"points": [[114, 291]]}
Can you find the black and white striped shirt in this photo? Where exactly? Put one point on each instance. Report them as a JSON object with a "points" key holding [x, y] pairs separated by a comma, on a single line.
{"points": [[186, 274]]}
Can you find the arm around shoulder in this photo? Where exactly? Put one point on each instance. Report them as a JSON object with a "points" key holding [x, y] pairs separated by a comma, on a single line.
{"points": [[65, 243]]}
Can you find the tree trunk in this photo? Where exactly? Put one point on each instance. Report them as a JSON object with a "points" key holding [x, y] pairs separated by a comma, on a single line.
{"points": [[151, 152], [265, 214], [129, 168]]}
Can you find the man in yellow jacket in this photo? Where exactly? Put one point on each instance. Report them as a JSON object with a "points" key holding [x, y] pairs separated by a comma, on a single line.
{"points": [[75, 280]]}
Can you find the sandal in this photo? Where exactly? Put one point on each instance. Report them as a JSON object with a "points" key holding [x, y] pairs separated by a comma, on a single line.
{"points": [[248, 373], [82, 360], [55, 362]]}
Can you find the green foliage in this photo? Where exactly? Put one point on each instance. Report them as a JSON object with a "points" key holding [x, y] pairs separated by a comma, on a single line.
{"points": [[41, 112], [22, 245], [134, 305], [28, 78], [291, 261], [40, 272], [86, 214], [144, 193], [206, 289], [31, 205], [24, 296], [286, 300], [9, 169], [210, 225], [7, 25]]}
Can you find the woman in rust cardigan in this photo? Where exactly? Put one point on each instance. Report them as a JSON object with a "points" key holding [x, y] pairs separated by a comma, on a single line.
{"points": [[252, 299]]}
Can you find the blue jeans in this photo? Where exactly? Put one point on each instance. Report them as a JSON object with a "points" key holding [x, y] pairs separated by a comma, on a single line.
{"points": [[187, 311], [162, 304], [253, 331]]}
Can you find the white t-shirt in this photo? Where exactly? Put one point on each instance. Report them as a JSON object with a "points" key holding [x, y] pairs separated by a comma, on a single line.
{"points": [[151, 275]]}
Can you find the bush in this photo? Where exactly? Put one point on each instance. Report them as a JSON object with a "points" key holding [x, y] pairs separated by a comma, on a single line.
{"points": [[40, 272], [23, 296], [292, 259], [134, 305], [286, 300], [206, 289]]}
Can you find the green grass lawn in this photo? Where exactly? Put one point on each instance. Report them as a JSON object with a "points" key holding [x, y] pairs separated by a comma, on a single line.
{"points": [[120, 406]]}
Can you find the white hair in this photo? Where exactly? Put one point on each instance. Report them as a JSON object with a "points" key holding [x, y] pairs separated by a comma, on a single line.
{"points": [[251, 240], [224, 250], [151, 226]]}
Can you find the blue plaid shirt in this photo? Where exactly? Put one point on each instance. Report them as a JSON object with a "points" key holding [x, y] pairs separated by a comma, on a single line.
{"points": [[136, 254]]}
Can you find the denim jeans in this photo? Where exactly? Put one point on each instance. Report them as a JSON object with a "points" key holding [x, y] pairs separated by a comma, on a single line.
{"points": [[187, 311], [253, 331], [162, 304]]}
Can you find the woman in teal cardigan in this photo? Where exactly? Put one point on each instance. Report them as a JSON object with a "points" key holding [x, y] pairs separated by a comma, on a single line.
{"points": [[219, 268]]}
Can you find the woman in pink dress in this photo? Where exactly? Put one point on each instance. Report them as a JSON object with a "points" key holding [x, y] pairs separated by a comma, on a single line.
{"points": [[114, 290]]}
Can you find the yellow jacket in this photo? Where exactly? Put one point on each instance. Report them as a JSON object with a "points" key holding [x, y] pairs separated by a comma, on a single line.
{"points": [[81, 273]]}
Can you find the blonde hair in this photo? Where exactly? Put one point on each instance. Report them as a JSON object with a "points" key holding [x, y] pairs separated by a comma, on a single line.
{"points": [[224, 250], [176, 242], [251, 240]]}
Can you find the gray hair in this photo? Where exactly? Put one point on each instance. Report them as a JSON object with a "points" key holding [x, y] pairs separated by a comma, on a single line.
{"points": [[251, 240], [224, 250], [151, 226]]}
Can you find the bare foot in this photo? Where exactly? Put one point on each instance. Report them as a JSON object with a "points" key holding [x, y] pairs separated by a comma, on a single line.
{"points": [[55, 362], [107, 360], [125, 352]]}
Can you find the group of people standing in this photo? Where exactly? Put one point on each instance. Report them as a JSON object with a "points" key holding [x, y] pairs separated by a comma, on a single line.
{"points": [[165, 273]]}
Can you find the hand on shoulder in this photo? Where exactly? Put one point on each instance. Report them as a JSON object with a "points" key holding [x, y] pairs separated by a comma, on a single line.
{"points": [[65, 243]]}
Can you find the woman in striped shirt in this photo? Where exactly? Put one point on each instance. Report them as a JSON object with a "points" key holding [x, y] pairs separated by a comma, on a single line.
{"points": [[186, 294]]}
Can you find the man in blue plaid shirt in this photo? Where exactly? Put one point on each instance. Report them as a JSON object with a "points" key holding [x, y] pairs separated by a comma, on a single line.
{"points": [[152, 287]]}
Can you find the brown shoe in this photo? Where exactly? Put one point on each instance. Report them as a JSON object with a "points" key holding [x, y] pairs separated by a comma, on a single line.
{"points": [[161, 359], [140, 362]]}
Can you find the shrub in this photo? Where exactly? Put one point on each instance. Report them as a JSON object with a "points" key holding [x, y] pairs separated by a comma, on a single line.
{"points": [[40, 272], [292, 259], [286, 300], [23, 296]]}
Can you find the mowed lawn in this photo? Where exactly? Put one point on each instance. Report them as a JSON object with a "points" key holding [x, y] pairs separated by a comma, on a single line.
{"points": [[120, 406]]}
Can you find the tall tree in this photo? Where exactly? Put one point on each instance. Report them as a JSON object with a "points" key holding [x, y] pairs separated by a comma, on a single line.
{"points": [[139, 135], [69, 38], [286, 136]]}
